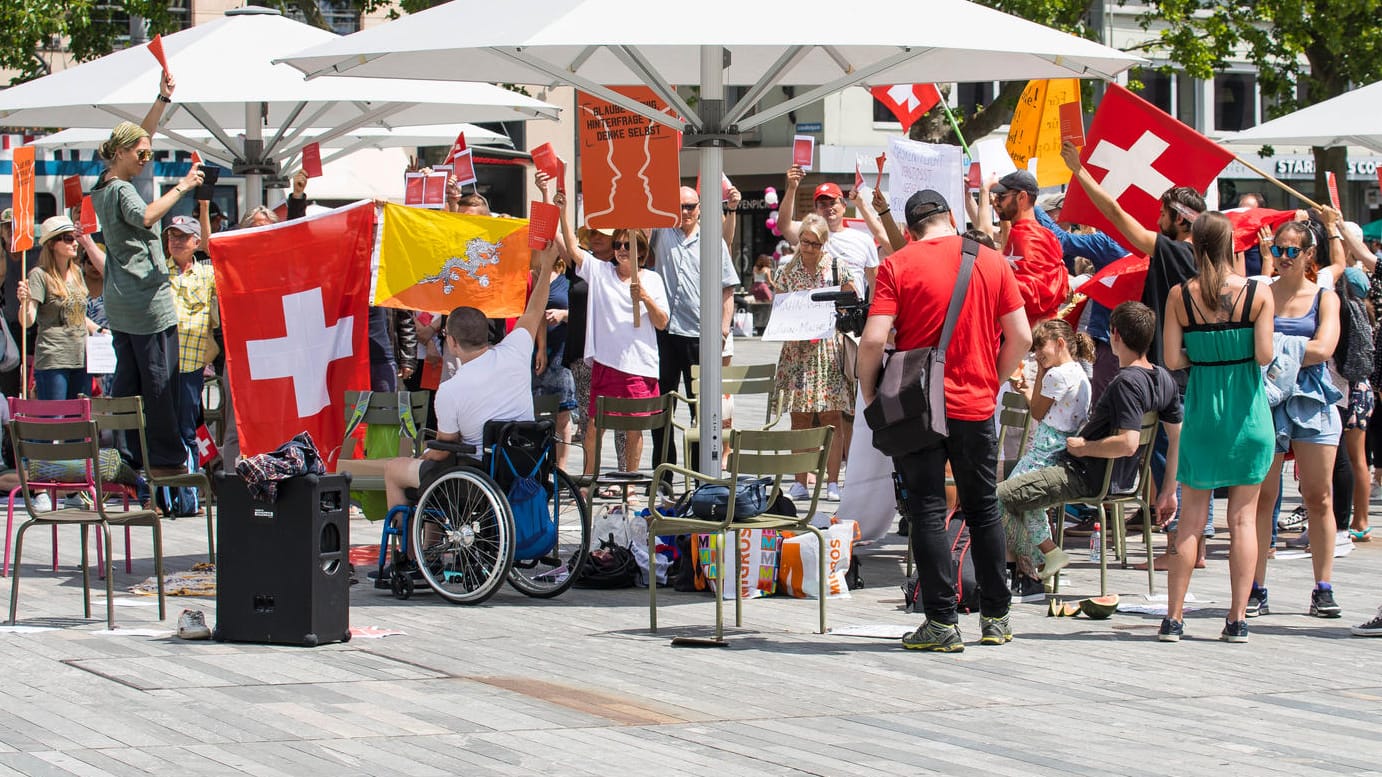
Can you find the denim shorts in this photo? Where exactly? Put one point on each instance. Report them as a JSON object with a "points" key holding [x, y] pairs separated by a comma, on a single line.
{"points": [[557, 380], [1331, 428]]}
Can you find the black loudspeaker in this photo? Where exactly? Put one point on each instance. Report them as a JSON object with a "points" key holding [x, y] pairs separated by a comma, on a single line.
{"points": [[283, 569]]}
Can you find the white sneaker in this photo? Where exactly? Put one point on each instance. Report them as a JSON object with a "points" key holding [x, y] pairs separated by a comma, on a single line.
{"points": [[798, 493], [832, 492], [43, 503], [192, 625]]}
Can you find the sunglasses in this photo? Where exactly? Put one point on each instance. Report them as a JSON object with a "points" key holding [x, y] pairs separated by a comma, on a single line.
{"points": [[690, 206], [144, 154], [66, 237], [1290, 252], [810, 244], [622, 245]]}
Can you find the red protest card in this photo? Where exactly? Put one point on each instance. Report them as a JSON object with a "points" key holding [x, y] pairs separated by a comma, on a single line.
{"points": [[878, 182], [197, 158], [312, 160], [434, 190], [1333, 189], [725, 186], [545, 159], [464, 165], [156, 48], [803, 151], [974, 179], [456, 148], [22, 173], [858, 176], [542, 224], [88, 217], [561, 176], [72, 191], [1072, 123], [412, 188]]}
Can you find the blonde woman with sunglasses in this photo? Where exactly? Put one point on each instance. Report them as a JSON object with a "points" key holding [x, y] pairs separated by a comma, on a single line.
{"points": [[138, 295]]}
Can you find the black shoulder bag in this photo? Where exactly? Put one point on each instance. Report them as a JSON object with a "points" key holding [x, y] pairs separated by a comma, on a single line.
{"points": [[908, 412]]}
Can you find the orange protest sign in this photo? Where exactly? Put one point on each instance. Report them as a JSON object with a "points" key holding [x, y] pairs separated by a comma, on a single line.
{"points": [[630, 172], [22, 236], [1035, 131]]}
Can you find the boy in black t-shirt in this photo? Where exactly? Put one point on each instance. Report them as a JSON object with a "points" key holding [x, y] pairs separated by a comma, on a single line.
{"points": [[1111, 435]]}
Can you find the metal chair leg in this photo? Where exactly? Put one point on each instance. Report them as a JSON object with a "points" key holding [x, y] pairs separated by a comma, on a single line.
{"points": [[1103, 550], [14, 581]]}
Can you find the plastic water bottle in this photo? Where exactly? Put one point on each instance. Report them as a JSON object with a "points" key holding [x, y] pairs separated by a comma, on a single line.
{"points": [[1096, 544]]}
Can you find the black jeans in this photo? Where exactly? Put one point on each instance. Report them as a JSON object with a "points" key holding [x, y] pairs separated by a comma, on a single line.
{"points": [[147, 366], [972, 450], [676, 354]]}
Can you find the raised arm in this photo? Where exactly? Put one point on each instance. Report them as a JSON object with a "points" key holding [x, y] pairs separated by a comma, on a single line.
{"points": [[568, 233], [730, 224], [1142, 239], [896, 240], [533, 317], [165, 96], [93, 251], [156, 210], [787, 222]]}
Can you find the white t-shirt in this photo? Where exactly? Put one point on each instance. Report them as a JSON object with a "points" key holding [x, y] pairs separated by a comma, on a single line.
{"points": [[858, 253], [494, 386], [611, 337], [1068, 388]]}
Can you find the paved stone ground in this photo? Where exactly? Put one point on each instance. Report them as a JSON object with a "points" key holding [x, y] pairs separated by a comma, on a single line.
{"points": [[577, 685]]}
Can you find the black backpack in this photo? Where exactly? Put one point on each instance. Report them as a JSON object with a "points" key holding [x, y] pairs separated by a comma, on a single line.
{"points": [[1353, 356], [608, 566], [966, 582]]}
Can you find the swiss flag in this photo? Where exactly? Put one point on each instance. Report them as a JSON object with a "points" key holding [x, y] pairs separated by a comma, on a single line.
{"points": [[907, 101], [1136, 152], [294, 310], [1120, 281], [1246, 222], [206, 446]]}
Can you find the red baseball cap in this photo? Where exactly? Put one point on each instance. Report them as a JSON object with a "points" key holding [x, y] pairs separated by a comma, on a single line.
{"points": [[829, 190]]}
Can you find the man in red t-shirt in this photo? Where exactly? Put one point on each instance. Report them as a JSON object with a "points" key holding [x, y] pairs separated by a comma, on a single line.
{"points": [[990, 338], [1039, 265]]}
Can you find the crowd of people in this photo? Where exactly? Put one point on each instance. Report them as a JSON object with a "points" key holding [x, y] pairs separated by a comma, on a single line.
{"points": [[1245, 357]]}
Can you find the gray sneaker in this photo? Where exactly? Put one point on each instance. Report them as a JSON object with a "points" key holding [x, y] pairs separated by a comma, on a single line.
{"points": [[192, 625], [995, 631], [935, 637]]}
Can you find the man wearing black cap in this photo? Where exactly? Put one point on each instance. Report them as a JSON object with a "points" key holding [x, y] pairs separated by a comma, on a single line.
{"points": [[990, 338], [1034, 251]]}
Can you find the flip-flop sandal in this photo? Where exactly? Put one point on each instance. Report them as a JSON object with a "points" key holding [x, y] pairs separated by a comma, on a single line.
{"points": [[1361, 536]]}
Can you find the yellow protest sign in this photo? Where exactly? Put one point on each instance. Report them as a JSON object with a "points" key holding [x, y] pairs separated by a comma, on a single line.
{"points": [[1035, 128]]}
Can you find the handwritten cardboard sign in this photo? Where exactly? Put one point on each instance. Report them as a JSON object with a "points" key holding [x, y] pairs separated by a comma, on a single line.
{"points": [[796, 317], [917, 166]]}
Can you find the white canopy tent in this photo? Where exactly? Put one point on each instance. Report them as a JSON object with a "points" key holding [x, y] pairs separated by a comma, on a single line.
{"points": [[227, 78], [1351, 119], [591, 44]]}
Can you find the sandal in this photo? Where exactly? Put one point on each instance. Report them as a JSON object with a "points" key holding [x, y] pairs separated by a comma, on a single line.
{"points": [[1360, 535]]}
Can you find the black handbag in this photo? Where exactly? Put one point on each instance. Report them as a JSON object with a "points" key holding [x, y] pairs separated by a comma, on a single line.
{"points": [[908, 410], [710, 501]]}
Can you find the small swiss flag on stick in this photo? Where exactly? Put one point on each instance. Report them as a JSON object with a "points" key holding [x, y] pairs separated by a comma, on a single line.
{"points": [[206, 447], [456, 148]]}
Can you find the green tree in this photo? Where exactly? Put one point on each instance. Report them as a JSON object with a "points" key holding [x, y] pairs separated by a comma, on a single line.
{"points": [[33, 32], [1306, 51]]}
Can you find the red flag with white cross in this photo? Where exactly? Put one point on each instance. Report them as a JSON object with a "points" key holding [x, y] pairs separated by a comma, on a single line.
{"points": [[907, 101], [1136, 152], [294, 311], [206, 446]]}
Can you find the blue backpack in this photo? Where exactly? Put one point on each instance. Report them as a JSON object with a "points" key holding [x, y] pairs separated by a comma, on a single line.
{"points": [[521, 465]]}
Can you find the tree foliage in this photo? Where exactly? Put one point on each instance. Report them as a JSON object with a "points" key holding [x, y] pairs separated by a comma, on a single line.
{"points": [[89, 29], [1306, 51]]}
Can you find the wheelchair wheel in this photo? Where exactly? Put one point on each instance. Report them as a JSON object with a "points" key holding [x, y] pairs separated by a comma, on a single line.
{"points": [[462, 532], [555, 572]]}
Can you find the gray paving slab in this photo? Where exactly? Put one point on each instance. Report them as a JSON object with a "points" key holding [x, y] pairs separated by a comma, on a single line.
{"points": [[577, 685]]}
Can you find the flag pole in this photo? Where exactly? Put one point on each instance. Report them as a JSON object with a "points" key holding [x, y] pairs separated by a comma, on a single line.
{"points": [[1282, 184], [955, 125]]}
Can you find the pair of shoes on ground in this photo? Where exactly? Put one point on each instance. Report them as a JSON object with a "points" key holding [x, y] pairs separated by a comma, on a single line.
{"points": [[936, 637], [800, 493], [1172, 631]]}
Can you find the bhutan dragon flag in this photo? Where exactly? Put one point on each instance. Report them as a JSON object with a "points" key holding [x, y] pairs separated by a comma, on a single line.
{"points": [[437, 261]]}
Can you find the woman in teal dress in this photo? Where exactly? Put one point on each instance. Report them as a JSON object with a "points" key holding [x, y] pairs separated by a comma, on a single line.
{"points": [[1219, 324]]}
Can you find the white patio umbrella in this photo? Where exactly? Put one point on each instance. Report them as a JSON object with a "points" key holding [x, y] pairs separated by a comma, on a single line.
{"points": [[821, 44], [227, 78], [1351, 119]]}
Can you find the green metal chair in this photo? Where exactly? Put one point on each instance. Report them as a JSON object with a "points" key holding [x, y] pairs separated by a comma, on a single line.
{"points": [[616, 414], [380, 408], [776, 454], [737, 381]]}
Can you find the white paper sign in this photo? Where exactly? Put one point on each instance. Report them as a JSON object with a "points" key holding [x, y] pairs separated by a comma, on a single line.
{"points": [[994, 158], [796, 317], [915, 166], [100, 354]]}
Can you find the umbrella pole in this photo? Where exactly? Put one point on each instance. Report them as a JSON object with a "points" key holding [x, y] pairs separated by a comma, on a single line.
{"points": [[1282, 184], [712, 260]]}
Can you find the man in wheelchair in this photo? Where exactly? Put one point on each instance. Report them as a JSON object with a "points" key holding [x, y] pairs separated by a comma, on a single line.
{"points": [[494, 382]]}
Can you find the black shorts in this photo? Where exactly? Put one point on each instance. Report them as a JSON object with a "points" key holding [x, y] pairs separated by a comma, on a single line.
{"points": [[432, 469]]}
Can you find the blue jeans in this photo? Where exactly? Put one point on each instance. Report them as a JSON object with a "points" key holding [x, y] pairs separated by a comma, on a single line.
{"points": [[190, 406], [61, 383]]}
